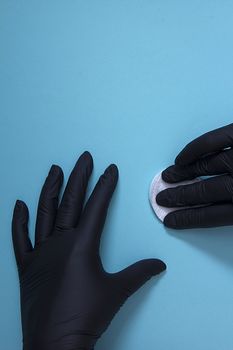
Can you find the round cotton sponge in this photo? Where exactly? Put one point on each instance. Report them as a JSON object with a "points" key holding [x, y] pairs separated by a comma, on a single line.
{"points": [[158, 185]]}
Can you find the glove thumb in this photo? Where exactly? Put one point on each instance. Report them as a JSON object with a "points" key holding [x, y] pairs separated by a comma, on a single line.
{"points": [[136, 275]]}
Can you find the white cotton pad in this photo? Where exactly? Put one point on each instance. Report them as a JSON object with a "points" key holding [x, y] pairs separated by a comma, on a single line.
{"points": [[158, 185]]}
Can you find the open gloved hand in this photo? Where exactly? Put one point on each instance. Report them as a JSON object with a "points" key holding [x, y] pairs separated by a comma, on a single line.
{"points": [[209, 154], [67, 298]]}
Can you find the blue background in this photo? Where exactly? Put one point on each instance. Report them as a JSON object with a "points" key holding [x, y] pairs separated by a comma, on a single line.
{"points": [[132, 82]]}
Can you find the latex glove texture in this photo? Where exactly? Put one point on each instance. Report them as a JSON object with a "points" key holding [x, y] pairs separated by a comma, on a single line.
{"points": [[208, 155], [67, 298]]}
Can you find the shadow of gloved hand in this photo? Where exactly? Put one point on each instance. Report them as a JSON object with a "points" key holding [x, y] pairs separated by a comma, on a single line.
{"points": [[67, 298], [209, 154]]}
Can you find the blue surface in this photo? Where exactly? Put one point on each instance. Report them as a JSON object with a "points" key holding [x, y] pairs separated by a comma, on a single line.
{"points": [[132, 82]]}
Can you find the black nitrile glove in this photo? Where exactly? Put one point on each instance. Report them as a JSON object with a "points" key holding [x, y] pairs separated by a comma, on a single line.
{"points": [[67, 298], [209, 154]]}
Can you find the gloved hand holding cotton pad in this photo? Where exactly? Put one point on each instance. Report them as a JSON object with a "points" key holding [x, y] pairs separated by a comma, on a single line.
{"points": [[158, 185]]}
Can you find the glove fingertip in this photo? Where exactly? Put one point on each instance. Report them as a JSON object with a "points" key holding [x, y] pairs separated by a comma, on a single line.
{"points": [[113, 170], [164, 175], [170, 221], [162, 198], [20, 209], [55, 169], [168, 175], [19, 203], [153, 267], [111, 174], [87, 157], [158, 267]]}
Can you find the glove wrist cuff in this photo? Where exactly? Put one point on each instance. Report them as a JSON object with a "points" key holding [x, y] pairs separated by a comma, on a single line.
{"points": [[70, 342]]}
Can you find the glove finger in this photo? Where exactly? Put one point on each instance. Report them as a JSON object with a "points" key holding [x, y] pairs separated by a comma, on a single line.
{"points": [[212, 190], [95, 211], [21, 241], [72, 201], [48, 203], [219, 163], [209, 142], [209, 216], [135, 276]]}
